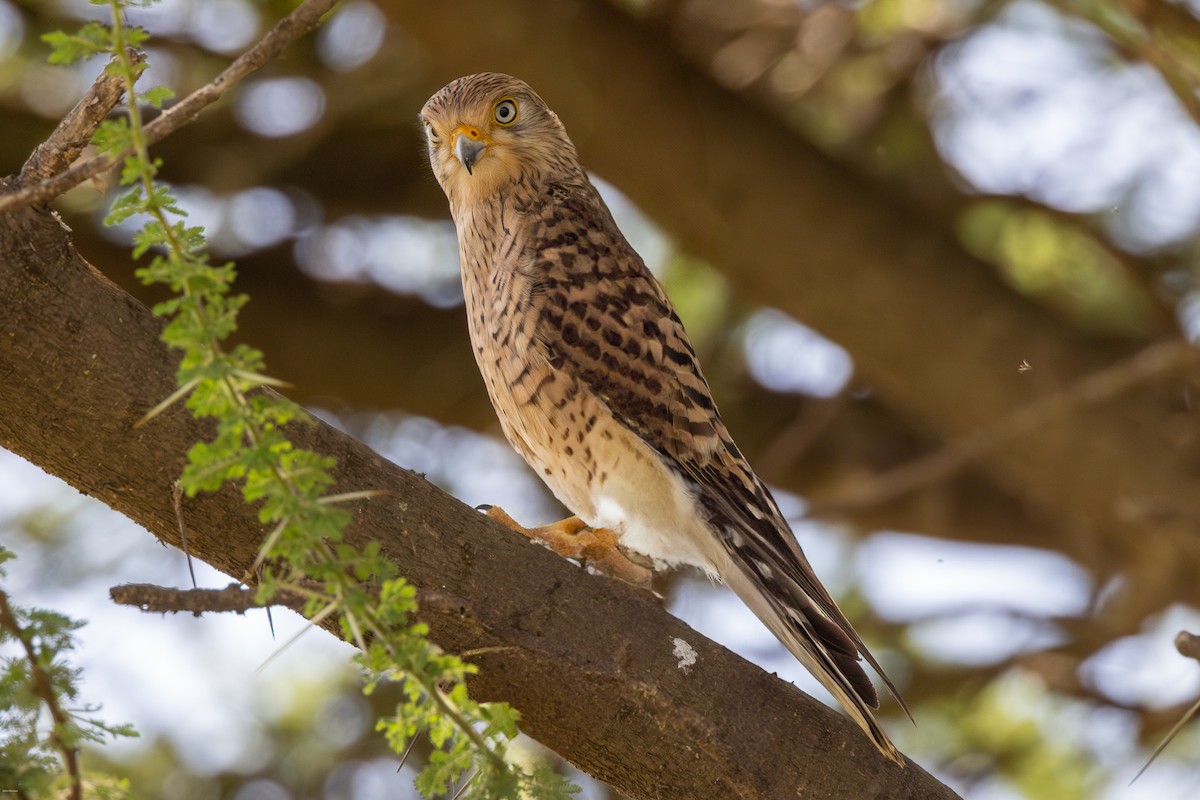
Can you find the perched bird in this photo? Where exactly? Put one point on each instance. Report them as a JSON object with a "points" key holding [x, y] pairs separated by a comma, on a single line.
{"points": [[596, 384]]}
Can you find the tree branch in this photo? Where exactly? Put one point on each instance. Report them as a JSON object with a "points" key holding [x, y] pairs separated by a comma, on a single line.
{"points": [[1151, 364], [587, 661], [1188, 645], [163, 599], [288, 29], [76, 129]]}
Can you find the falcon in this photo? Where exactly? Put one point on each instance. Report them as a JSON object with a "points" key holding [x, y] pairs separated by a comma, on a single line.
{"points": [[597, 386]]}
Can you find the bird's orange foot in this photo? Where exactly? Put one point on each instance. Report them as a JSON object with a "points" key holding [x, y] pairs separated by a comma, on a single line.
{"points": [[598, 548]]}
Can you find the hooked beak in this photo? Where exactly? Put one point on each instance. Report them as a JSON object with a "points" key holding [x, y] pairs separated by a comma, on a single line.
{"points": [[469, 145]]}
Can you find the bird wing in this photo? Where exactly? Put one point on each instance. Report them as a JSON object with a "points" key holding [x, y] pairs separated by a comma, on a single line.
{"points": [[607, 321]]}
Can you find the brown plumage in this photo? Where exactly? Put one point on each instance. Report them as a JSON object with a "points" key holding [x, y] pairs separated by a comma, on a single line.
{"points": [[596, 384]]}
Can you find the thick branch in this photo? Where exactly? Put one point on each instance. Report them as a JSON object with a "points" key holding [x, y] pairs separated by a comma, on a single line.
{"points": [[587, 661]]}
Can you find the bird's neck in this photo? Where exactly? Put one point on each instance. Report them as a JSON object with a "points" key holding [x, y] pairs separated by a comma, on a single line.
{"points": [[487, 232], [494, 232], [470, 207]]}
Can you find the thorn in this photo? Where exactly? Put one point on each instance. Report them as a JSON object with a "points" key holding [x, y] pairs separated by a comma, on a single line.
{"points": [[408, 749], [346, 497], [270, 619], [1187, 645], [466, 783], [1167, 739], [171, 399], [177, 499]]}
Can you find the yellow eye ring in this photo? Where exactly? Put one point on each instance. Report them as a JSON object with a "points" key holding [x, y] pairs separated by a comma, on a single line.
{"points": [[504, 113]]}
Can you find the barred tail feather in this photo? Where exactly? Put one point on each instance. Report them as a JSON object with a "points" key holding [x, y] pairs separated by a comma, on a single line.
{"points": [[823, 648]]}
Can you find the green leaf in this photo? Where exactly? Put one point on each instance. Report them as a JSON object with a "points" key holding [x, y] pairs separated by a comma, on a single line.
{"points": [[502, 720], [91, 39], [125, 206], [113, 136], [136, 36], [157, 96], [29, 754]]}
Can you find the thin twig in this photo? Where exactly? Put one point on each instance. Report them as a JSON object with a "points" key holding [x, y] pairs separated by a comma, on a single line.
{"points": [[1188, 645], [43, 686], [291, 27], [1151, 363], [74, 132], [234, 597], [813, 418]]}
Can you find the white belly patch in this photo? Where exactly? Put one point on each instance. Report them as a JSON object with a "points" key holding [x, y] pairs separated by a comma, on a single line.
{"points": [[654, 513]]}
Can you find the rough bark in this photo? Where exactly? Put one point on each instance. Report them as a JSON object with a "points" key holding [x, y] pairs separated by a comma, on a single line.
{"points": [[588, 661]]}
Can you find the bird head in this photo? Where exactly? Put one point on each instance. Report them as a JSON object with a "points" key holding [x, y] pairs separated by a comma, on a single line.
{"points": [[489, 131]]}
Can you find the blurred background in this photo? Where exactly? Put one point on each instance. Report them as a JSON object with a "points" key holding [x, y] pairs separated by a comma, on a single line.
{"points": [[902, 234]]}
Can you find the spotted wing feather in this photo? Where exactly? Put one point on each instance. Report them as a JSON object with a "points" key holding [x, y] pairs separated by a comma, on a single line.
{"points": [[608, 322]]}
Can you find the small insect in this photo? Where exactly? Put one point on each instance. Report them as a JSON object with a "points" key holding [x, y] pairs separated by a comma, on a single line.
{"points": [[1024, 366]]}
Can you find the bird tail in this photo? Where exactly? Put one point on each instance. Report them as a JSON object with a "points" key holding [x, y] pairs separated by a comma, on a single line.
{"points": [[823, 647]]}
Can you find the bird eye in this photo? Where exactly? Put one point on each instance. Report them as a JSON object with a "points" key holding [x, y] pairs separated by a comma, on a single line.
{"points": [[505, 111], [431, 133]]}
